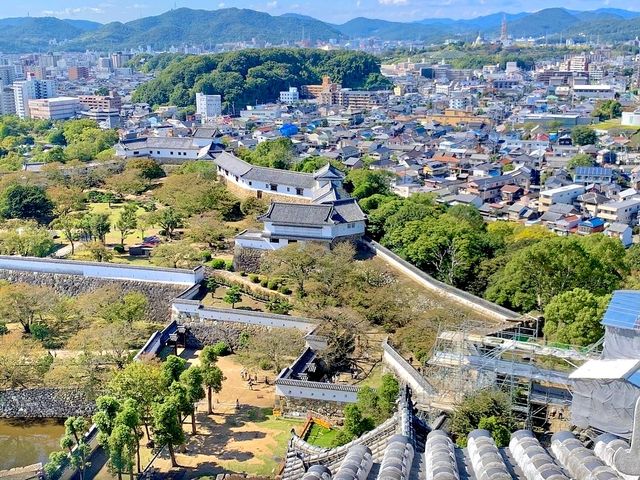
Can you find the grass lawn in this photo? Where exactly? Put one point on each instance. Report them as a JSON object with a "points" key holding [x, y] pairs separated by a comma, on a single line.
{"points": [[613, 124], [113, 237], [321, 436], [247, 303]]}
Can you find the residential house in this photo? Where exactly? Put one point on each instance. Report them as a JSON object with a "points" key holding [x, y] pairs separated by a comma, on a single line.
{"points": [[622, 232], [511, 193], [593, 175], [592, 225], [624, 211], [167, 149], [488, 188]]}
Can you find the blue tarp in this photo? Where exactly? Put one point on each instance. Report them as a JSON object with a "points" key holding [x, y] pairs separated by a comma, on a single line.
{"points": [[288, 130], [624, 310]]}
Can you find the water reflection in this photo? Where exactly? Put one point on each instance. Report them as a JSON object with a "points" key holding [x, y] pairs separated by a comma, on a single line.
{"points": [[24, 442]]}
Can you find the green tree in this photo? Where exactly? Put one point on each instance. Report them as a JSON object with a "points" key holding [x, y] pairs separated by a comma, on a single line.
{"points": [[122, 450], [68, 224], [148, 168], [127, 221], [582, 135], [107, 408], [176, 254], [129, 416], [355, 423], [98, 252], [580, 160], [73, 440], [172, 368], [211, 374], [26, 202], [25, 238], [537, 273], [95, 226], [364, 183], [167, 430], [168, 219], [142, 381], [232, 296], [574, 317], [193, 380], [295, 262], [607, 109], [478, 407], [499, 432]]}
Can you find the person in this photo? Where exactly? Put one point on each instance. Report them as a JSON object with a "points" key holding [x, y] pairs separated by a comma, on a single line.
{"points": [[237, 404], [250, 384]]}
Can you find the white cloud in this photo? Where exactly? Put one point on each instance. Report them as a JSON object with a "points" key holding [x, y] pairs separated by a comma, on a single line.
{"points": [[73, 11], [221, 5], [273, 4], [393, 2]]}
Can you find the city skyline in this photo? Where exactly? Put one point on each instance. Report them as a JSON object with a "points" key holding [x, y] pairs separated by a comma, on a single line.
{"points": [[340, 11]]}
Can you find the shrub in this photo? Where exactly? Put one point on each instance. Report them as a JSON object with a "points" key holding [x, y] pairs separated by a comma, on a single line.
{"points": [[279, 306], [218, 264], [221, 349], [264, 283], [243, 273], [119, 249], [285, 290], [205, 256], [254, 278], [3, 329], [273, 285], [265, 365], [228, 265]]}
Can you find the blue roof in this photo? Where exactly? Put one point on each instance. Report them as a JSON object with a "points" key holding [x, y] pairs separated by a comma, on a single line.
{"points": [[594, 222], [634, 378], [594, 171], [624, 310]]}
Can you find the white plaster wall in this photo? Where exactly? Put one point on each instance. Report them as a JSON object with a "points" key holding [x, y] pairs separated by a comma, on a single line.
{"points": [[103, 270]]}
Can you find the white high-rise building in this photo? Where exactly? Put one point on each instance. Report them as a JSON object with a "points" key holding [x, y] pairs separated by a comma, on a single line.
{"points": [[31, 89], [290, 96], [208, 106]]}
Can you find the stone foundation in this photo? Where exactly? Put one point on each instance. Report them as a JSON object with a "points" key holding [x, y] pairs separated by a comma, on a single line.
{"points": [[247, 259], [201, 334], [301, 407], [160, 295], [268, 197], [44, 403]]}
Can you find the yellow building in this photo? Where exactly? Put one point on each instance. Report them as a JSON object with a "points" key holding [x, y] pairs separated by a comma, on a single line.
{"points": [[456, 118]]}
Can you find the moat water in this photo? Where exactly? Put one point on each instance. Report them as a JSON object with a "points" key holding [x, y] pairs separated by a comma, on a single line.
{"points": [[25, 442]]}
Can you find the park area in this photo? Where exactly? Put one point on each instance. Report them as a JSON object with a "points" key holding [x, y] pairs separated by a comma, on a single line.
{"points": [[243, 434]]}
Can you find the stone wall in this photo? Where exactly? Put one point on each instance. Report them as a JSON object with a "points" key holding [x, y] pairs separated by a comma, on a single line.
{"points": [[159, 295], [247, 259], [300, 407], [200, 334], [268, 197], [44, 403]]}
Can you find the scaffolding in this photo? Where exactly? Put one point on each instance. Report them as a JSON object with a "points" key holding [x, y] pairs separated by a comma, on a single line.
{"points": [[535, 375]]}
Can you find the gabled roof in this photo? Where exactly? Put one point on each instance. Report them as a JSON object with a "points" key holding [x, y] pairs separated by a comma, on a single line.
{"points": [[337, 212], [328, 172]]}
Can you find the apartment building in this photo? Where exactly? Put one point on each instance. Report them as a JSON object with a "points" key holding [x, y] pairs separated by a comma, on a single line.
{"points": [[208, 107], [566, 194], [78, 73], [31, 89], [58, 108], [625, 211], [113, 101]]}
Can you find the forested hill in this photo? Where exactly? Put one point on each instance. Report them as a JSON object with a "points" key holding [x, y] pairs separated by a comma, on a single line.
{"points": [[255, 76], [208, 27]]}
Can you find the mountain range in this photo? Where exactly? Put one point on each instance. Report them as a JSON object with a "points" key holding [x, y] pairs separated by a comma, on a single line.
{"points": [[189, 26]]}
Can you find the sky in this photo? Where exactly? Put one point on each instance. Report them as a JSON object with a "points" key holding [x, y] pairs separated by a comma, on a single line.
{"points": [[336, 11]]}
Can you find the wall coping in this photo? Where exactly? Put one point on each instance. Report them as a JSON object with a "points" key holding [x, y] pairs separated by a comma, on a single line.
{"points": [[58, 261], [248, 313], [317, 385], [450, 291]]}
